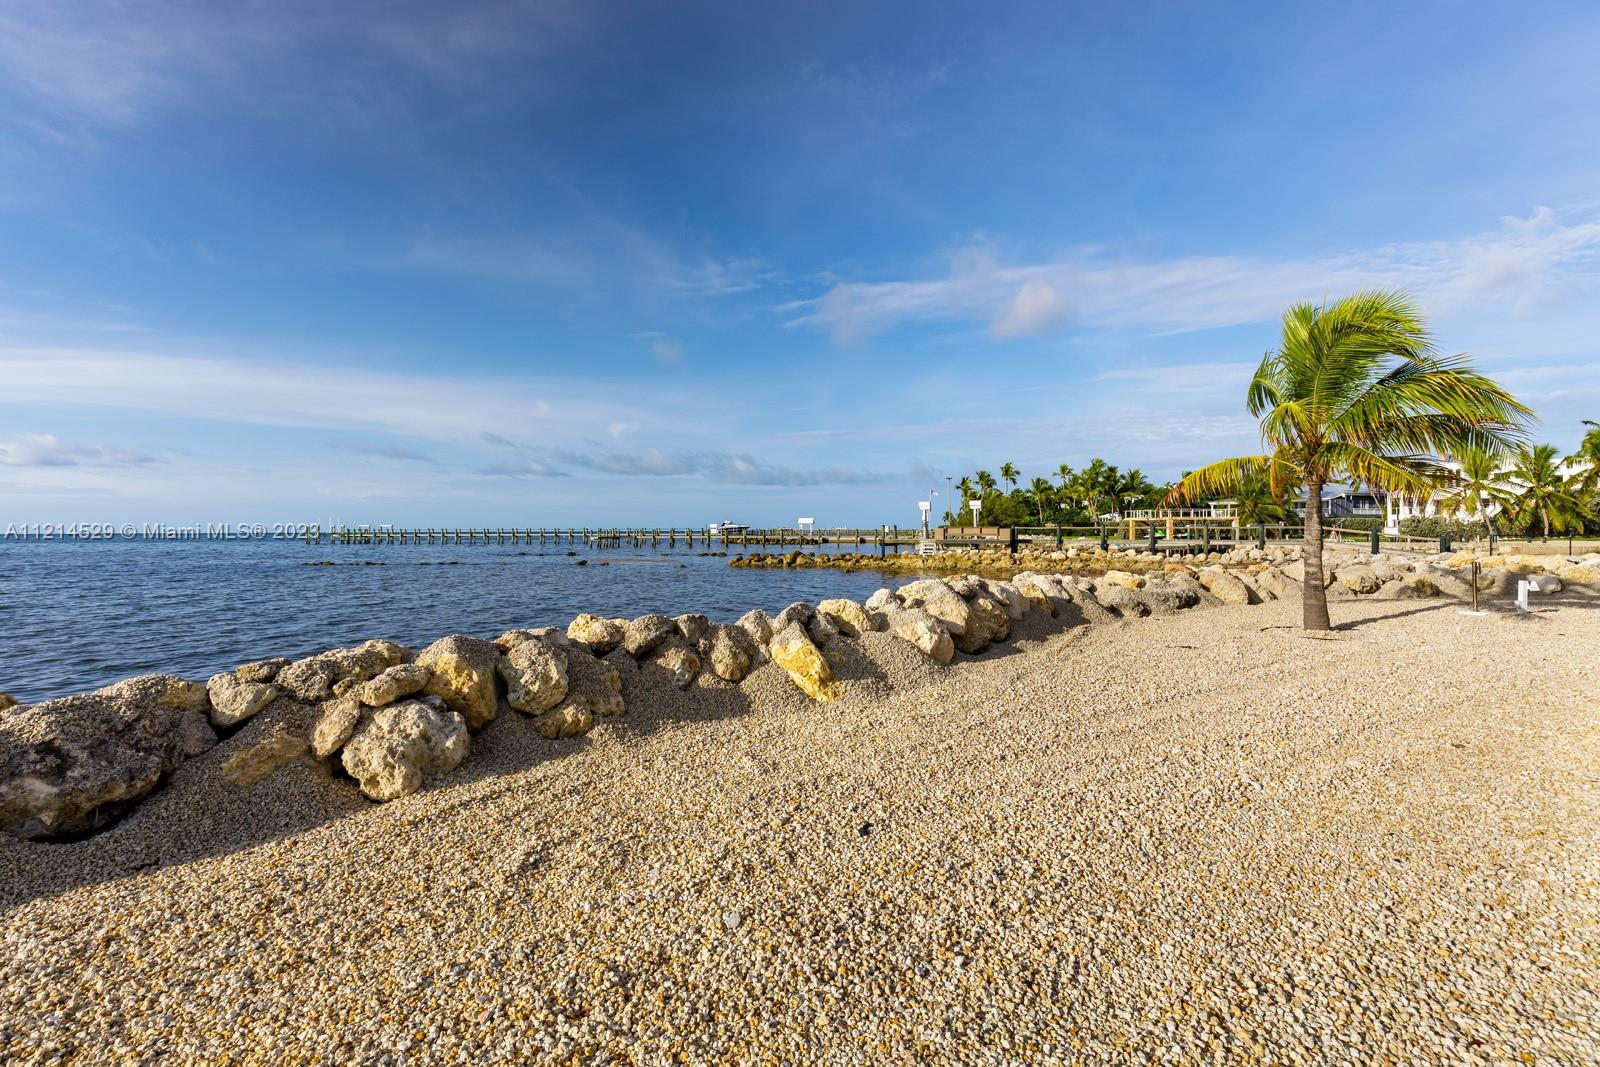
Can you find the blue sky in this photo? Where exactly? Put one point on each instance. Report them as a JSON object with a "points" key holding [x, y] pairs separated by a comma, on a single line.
{"points": [[565, 263]]}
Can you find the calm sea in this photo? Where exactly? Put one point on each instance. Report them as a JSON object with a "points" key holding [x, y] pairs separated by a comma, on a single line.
{"points": [[76, 615]]}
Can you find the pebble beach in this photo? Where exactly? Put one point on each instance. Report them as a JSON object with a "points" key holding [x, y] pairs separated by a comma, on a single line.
{"points": [[1206, 837]]}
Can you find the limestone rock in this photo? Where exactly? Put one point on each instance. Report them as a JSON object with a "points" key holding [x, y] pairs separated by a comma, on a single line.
{"points": [[1224, 586], [921, 629], [987, 622], [598, 635], [880, 600], [463, 677], [1297, 571], [72, 764], [848, 617], [7, 701], [679, 661], [553, 636], [246, 768], [758, 625], [261, 670], [1121, 599], [401, 680], [799, 612], [694, 629], [645, 633], [1016, 605], [1358, 578], [398, 747], [940, 601], [792, 650], [594, 688], [233, 701], [308, 680], [1272, 580], [333, 729], [536, 676], [1544, 583], [1125, 579], [731, 657], [822, 630]]}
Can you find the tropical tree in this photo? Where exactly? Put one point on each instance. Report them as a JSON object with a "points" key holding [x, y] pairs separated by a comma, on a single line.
{"points": [[1478, 486], [986, 483], [1538, 490], [1064, 474], [1356, 392], [1257, 502], [1041, 488], [1586, 479], [964, 487], [1009, 474]]}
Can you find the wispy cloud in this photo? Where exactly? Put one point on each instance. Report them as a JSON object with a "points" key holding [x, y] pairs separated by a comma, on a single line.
{"points": [[1522, 264], [105, 63], [394, 452], [47, 450], [441, 406]]}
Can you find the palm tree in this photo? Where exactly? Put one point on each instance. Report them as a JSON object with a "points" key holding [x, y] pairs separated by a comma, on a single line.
{"points": [[1356, 392], [1040, 487], [986, 483], [964, 487], [1477, 487], [1257, 503], [1539, 491], [1009, 474], [1586, 479], [1064, 473]]}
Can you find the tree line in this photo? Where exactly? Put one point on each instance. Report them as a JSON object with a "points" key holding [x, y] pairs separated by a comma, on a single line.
{"points": [[1068, 498]]}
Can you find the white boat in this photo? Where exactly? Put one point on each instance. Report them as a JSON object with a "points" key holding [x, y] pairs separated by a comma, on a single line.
{"points": [[728, 526]]}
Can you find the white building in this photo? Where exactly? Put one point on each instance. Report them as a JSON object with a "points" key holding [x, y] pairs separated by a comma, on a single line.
{"points": [[1400, 506]]}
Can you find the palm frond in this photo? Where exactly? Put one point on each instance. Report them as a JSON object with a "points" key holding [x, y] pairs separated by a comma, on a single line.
{"points": [[1216, 480]]}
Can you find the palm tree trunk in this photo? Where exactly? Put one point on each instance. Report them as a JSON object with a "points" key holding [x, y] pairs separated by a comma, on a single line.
{"points": [[1313, 597]]}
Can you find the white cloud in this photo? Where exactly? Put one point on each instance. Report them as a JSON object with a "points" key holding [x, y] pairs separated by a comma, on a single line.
{"points": [[1036, 308], [47, 450], [1523, 264], [445, 406]]}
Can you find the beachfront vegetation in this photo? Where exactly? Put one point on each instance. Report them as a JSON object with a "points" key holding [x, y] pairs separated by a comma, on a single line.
{"points": [[1077, 497], [1356, 392]]}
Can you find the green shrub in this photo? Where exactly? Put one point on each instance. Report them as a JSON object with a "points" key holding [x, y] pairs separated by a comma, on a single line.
{"points": [[1434, 526], [1361, 522]]}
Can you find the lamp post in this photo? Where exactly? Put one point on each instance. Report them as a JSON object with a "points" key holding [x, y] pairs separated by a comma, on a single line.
{"points": [[950, 498]]}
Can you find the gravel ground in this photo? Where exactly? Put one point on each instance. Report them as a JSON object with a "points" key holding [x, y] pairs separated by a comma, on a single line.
{"points": [[1203, 838]]}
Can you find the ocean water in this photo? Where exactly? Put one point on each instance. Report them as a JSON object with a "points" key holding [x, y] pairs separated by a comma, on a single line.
{"points": [[76, 615]]}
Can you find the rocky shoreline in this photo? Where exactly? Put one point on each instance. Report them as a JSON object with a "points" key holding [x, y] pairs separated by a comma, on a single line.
{"points": [[390, 719]]}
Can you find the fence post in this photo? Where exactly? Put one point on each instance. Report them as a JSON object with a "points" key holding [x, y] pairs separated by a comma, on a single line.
{"points": [[1374, 542], [1444, 542], [1261, 536]]}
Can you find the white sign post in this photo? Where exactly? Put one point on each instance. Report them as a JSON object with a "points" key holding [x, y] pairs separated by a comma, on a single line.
{"points": [[976, 506]]}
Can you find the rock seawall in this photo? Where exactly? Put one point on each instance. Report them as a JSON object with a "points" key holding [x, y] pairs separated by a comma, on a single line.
{"points": [[392, 719]]}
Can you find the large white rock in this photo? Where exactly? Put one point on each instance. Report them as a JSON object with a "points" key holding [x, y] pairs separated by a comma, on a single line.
{"points": [[464, 677], [233, 701], [803, 662], [921, 629], [1224, 586], [939, 600], [398, 747], [535, 676], [72, 764]]}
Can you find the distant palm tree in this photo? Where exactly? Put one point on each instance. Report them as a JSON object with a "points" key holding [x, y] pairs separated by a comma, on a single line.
{"points": [[1064, 473], [1040, 488], [1478, 487], [1257, 503], [1355, 391], [1009, 474], [1539, 491], [1586, 479], [986, 483], [965, 487]]}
